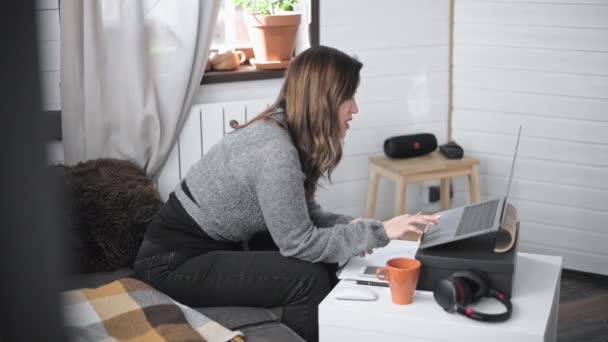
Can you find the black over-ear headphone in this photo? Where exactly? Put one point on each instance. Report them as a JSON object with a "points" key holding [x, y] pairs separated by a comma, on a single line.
{"points": [[464, 287]]}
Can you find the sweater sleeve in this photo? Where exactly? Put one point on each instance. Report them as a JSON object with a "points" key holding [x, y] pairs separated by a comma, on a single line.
{"points": [[322, 218], [279, 188]]}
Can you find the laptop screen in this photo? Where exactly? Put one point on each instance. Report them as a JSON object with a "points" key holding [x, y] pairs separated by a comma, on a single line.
{"points": [[471, 220], [504, 204]]}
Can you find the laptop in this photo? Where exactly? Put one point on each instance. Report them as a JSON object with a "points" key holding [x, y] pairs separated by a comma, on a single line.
{"points": [[469, 220]]}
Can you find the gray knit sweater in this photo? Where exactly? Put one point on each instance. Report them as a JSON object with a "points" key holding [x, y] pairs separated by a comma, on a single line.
{"points": [[252, 181]]}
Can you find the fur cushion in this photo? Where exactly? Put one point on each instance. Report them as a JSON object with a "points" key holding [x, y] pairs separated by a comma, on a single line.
{"points": [[108, 204]]}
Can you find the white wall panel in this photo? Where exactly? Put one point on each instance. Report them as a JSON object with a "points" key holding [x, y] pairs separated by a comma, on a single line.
{"points": [[535, 14], [47, 4], [47, 21], [360, 11], [191, 141], [543, 191], [394, 61], [542, 149], [574, 130], [564, 237], [562, 61], [51, 97], [573, 259], [553, 172], [255, 107], [559, 38], [49, 55], [233, 112], [237, 91], [548, 106], [544, 65], [391, 33], [564, 216], [416, 86], [54, 152], [539, 82], [48, 24], [400, 112], [212, 117]]}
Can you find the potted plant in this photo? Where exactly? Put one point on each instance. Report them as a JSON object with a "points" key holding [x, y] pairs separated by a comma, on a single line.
{"points": [[272, 28]]}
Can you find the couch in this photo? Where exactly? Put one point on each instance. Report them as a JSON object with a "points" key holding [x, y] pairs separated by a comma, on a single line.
{"points": [[107, 206]]}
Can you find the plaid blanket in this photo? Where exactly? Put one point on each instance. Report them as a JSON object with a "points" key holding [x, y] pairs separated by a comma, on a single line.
{"points": [[130, 310]]}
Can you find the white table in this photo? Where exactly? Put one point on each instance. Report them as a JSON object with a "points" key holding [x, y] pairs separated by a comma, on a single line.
{"points": [[535, 307]]}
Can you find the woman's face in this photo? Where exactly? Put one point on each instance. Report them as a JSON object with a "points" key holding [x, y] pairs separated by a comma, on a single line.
{"points": [[345, 114]]}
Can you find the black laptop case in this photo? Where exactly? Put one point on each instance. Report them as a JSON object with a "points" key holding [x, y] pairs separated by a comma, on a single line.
{"points": [[475, 253]]}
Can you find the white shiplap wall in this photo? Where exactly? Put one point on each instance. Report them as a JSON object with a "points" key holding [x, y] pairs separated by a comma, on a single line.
{"points": [[404, 89], [47, 21], [542, 64]]}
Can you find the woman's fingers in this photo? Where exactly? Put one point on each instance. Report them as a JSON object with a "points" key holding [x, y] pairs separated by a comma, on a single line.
{"points": [[396, 227], [414, 229], [421, 220]]}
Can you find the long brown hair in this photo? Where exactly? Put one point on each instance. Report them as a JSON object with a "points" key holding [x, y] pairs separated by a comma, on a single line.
{"points": [[317, 82]]}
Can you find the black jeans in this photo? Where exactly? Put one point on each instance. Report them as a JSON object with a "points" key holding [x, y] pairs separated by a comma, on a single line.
{"points": [[223, 274]]}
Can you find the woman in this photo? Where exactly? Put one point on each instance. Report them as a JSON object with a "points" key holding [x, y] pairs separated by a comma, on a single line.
{"points": [[202, 249]]}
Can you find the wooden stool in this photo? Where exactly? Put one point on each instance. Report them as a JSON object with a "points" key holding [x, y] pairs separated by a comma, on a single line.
{"points": [[432, 166]]}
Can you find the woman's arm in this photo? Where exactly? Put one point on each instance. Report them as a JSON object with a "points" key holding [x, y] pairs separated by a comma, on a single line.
{"points": [[278, 185], [323, 218]]}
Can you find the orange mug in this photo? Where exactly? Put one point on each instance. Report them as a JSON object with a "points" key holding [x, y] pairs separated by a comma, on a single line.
{"points": [[402, 275]]}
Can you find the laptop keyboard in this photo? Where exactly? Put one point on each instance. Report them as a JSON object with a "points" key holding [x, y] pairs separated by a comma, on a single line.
{"points": [[477, 217]]}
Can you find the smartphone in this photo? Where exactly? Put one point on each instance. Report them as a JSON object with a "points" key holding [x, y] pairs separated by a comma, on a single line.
{"points": [[368, 271]]}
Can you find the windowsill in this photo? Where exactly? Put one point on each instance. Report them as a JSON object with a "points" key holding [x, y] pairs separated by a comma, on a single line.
{"points": [[244, 73]]}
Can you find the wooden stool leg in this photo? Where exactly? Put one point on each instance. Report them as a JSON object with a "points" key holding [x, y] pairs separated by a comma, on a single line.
{"points": [[474, 184], [400, 193], [372, 192], [444, 193]]}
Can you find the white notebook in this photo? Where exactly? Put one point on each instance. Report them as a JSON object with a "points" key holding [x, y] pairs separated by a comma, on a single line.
{"points": [[394, 249]]}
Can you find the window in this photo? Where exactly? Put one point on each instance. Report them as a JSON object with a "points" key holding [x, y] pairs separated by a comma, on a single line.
{"points": [[230, 29], [231, 33]]}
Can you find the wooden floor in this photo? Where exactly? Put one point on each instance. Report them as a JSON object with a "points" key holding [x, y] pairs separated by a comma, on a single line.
{"points": [[583, 308]]}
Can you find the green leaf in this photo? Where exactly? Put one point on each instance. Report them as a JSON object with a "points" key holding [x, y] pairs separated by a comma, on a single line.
{"points": [[265, 7]]}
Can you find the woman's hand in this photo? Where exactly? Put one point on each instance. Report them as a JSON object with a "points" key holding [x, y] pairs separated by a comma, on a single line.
{"points": [[398, 226]]}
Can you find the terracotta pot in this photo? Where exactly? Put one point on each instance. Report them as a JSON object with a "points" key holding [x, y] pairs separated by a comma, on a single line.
{"points": [[273, 36]]}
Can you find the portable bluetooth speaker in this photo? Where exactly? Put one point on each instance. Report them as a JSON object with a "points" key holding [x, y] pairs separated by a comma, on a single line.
{"points": [[408, 146]]}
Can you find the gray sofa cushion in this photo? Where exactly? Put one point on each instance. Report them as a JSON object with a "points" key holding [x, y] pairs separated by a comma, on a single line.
{"points": [[258, 324], [270, 332]]}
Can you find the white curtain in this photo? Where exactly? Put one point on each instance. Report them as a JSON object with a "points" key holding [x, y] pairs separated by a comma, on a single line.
{"points": [[129, 70]]}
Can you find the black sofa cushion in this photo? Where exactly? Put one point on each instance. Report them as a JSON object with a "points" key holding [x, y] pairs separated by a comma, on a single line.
{"points": [[108, 204]]}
